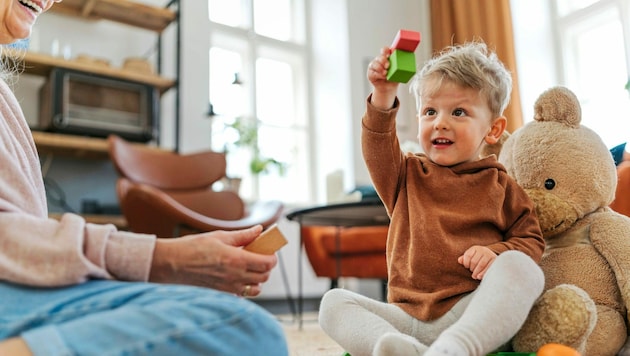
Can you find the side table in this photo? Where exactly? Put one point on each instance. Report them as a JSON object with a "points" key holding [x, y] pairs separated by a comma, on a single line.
{"points": [[369, 212]]}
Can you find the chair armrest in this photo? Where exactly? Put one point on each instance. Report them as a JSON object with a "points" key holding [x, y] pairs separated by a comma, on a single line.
{"points": [[265, 213], [149, 206]]}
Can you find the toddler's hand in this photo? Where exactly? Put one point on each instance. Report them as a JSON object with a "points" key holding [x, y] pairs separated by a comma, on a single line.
{"points": [[377, 70], [384, 90], [477, 259]]}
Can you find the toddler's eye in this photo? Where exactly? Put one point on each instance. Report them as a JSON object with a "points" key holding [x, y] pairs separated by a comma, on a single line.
{"points": [[430, 112], [550, 184], [459, 112]]}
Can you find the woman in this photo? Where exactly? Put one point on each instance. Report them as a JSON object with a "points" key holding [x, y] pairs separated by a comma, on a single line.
{"points": [[68, 287]]}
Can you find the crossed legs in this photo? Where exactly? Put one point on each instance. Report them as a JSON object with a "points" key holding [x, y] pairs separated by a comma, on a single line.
{"points": [[478, 324]]}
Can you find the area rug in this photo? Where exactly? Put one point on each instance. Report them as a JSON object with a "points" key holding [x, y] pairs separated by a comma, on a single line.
{"points": [[310, 340]]}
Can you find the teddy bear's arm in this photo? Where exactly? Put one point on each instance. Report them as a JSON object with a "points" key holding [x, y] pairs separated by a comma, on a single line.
{"points": [[610, 235]]}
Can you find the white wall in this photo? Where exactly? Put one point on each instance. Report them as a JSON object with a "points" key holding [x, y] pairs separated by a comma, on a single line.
{"points": [[331, 91], [372, 25]]}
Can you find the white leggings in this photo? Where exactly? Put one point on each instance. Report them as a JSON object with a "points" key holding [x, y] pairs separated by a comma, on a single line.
{"points": [[480, 323]]}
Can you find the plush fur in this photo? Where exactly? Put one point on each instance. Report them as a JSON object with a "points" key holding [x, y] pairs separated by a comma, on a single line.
{"points": [[570, 174]]}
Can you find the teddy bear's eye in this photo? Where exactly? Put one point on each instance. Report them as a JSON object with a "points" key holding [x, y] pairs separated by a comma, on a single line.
{"points": [[550, 184]]}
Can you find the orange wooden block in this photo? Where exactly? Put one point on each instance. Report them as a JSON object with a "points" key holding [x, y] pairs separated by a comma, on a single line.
{"points": [[269, 241], [556, 350]]}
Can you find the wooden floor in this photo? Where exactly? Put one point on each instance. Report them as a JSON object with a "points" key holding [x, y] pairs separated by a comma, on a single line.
{"points": [[311, 340]]}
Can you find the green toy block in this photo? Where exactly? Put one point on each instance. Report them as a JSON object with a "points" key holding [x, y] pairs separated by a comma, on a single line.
{"points": [[402, 66]]}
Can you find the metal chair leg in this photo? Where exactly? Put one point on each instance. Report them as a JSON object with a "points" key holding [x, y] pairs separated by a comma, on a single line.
{"points": [[285, 280], [334, 283], [384, 289]]}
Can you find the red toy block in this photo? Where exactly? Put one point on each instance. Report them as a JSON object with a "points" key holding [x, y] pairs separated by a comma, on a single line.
{"points": [[406, 40]]}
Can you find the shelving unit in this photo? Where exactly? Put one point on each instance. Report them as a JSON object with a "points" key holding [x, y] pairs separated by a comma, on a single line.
{"points": [[122, 11], [127, 12]]}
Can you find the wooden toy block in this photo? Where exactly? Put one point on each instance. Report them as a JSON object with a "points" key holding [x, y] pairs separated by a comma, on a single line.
{"points": [[402, 66], [406, 40], [269, 241]]}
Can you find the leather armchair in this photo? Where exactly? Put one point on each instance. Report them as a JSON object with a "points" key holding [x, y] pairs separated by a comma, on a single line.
{"points": [[170, 194]]}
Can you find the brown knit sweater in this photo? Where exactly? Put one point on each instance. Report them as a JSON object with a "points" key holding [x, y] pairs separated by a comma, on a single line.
{"points": [[437, 213], [36, 250]]}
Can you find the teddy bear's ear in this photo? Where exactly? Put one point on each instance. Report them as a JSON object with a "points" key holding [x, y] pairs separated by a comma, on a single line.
{"points": [[558, 104], [494, 149]]}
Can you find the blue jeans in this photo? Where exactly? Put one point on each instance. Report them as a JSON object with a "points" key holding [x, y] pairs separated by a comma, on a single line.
{"points": [[125, 318]]}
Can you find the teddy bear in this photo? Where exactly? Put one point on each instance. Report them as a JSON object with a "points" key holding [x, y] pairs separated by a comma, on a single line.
{"points": [[570, 175]]}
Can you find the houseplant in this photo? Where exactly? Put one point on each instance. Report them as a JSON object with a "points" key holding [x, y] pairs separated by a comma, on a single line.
{"points": [[247, 137]]}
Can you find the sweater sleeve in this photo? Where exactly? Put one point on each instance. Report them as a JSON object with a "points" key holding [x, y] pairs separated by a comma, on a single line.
{"points": [[36, 250], [381, 151], [47, 252]]}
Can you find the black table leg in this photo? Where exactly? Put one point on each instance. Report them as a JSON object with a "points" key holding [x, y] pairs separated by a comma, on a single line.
{"points": [[300, 305], [338, 252]]}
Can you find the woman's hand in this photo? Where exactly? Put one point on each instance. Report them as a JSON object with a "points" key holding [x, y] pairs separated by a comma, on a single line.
{"points": [[477, 259], [384, 92], [213, 259]]}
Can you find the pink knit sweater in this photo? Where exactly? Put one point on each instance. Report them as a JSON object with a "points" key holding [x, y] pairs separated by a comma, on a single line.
{"points": [[36, 250]]}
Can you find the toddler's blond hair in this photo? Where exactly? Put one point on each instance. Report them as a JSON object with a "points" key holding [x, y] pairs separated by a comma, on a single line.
{"points": [[470, 65]]}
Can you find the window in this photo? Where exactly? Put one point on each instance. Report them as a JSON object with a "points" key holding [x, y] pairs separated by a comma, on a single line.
{"points": [[258, 93], [594, 48]]}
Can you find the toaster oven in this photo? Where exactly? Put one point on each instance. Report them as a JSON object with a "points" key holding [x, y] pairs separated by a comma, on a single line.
{"points": [[81, 103]]}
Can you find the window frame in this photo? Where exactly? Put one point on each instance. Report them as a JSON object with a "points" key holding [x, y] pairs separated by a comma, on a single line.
{"points": [[566, 27], [252, 46]]}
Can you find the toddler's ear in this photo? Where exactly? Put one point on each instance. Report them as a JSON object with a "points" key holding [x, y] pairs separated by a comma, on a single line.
{"points": [[496, 130]]}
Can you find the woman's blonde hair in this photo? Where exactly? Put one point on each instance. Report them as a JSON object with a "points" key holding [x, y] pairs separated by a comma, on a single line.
{"points": [[11, 64], [470, 65]]}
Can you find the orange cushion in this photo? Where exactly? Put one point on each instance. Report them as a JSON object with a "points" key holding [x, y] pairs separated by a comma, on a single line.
{"points": [[362, 251], [355, 240]]}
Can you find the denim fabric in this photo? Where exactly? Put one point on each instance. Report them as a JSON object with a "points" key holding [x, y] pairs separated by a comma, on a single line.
{"points": [[125, 318]]}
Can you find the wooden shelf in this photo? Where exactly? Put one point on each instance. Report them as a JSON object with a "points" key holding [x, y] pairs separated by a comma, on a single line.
{"points": [[41, 64], [74, 145], [70, 145], [124, 11]]}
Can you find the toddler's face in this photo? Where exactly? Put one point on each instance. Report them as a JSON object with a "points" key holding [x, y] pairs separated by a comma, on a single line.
{"points": [[454, 123]]}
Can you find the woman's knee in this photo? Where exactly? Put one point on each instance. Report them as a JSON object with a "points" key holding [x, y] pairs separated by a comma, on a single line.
{"points": [[222, 324]]}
